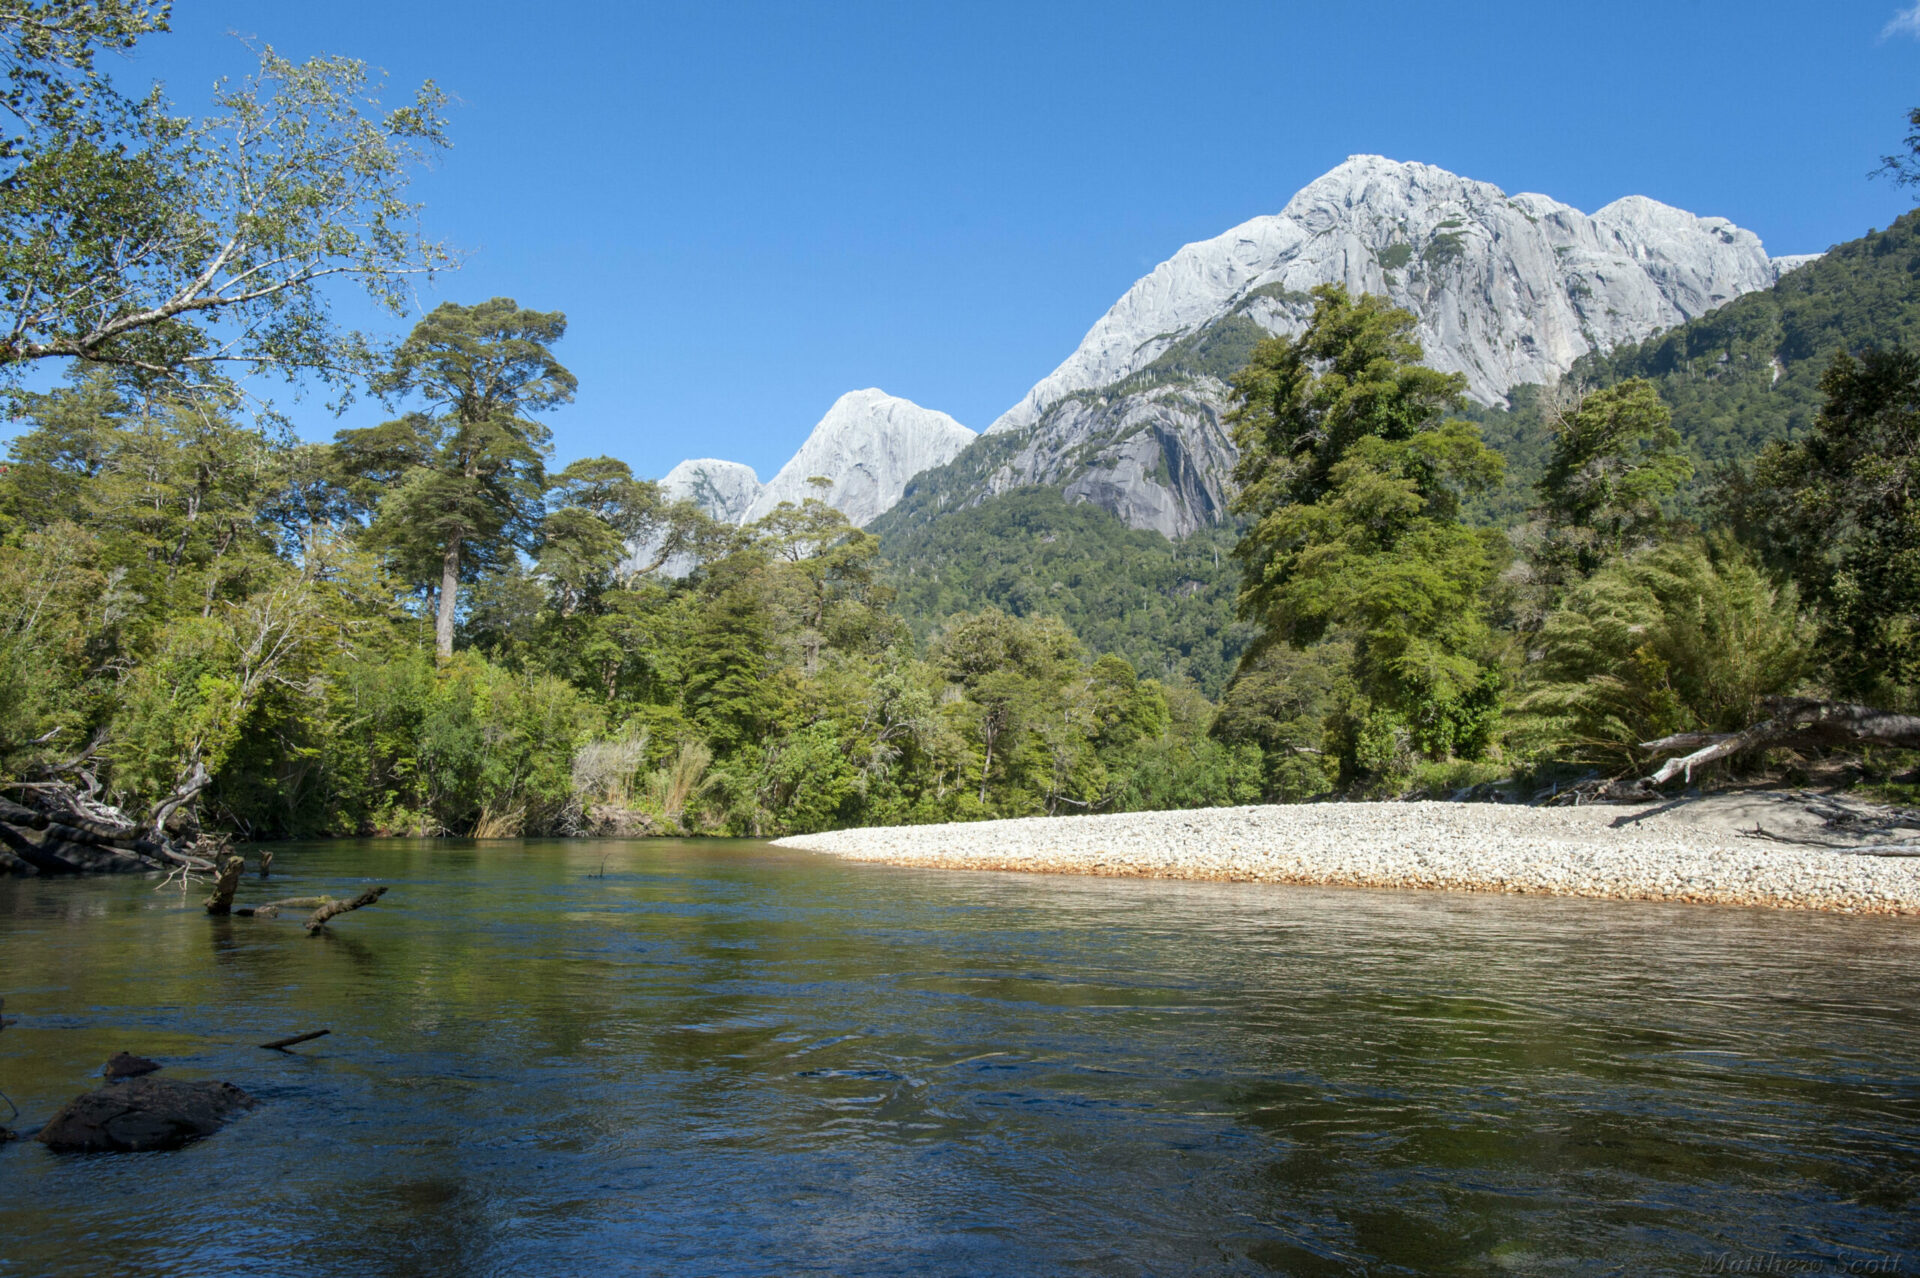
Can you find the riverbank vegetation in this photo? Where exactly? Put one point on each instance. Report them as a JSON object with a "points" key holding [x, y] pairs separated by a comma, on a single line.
{"points": [[420, 627]]}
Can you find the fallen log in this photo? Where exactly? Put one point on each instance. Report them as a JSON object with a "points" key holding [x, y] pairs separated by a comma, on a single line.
{"points": [[333, 909], [1796, 722], [13, 814], [282, 1044], [221, 902], [271, 909], [49, 853], [120, 836], [66, 819]]}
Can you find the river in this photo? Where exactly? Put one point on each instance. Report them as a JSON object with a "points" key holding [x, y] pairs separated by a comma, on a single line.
{"points": [[726, 1058]]}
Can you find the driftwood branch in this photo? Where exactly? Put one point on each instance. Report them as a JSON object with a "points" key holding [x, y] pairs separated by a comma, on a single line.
{"points": [[182, 794], [282, 1044], [1798, 722], [333, 909]]}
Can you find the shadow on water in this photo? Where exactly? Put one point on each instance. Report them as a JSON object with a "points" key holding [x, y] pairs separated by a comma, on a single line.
{"points": [[727, 1058]]}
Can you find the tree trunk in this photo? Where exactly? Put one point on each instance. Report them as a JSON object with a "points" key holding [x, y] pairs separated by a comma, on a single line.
{"points": [[271, 909], [221, 902], [1800, 722], [182, 794], [449, 596], [333, 909]]}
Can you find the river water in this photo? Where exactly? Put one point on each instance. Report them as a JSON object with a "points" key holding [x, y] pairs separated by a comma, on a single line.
{"points": [[726, 1058]]}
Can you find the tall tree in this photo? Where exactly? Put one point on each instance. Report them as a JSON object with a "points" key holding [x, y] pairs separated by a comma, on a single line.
{"points": [[459, 484], [134, 236], [1615, 458], [1841, 506], [1352, 479]]}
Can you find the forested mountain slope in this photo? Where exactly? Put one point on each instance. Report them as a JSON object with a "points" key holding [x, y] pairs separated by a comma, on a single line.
{"points": [[1746, 373], [1734, 378], [1167, 606]]}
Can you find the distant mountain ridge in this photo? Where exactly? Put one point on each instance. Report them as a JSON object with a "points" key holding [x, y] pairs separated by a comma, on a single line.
{"points": [[1508, 291], [866, 448]]}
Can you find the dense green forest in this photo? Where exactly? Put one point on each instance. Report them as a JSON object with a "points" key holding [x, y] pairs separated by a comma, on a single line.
{"points": [[1738, 377], [417, 629], [1166, 606], [420, 627], [1733, 380]]}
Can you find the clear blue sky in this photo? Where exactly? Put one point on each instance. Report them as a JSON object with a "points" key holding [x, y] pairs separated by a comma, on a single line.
{"points": [[746, 210]]}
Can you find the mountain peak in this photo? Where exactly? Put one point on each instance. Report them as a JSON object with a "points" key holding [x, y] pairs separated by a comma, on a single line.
{"points": [[1507, 289], [723, 489], [869, 444]]}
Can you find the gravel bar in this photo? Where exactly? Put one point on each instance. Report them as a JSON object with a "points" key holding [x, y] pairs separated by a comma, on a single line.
{"points": [[1596, 851]]}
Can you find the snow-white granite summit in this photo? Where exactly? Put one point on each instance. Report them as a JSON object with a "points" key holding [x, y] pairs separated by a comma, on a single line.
{"points": [[1508, 289], [867, 447], [724, 490]]}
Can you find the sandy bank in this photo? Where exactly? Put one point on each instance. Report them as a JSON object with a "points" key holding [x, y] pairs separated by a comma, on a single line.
{"points": [[1702, 851]]}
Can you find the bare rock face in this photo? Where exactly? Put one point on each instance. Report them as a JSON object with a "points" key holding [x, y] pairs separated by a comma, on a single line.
{"points": [[723, 489], [140, 1114], [1158, 458], [867, 447], [1507, 290]]}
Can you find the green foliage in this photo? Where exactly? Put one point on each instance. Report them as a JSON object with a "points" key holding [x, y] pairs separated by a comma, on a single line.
{"points": [[1448, 246], [1395, 256], [1839, 509], [1165, 606], [1615, 458], [1353, 484], [1687, 637], [458, 488], [1280, 703], [132, 236]]}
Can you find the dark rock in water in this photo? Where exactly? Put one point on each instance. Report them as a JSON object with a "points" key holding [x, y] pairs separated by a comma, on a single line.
{"points": [[142, 1114], [127, 1065]]}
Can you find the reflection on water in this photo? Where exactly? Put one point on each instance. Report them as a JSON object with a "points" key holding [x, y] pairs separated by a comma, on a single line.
{"points": [[725, 1058]]}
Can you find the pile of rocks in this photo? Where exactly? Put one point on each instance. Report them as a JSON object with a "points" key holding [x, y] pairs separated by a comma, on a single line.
{"points": [[1595, 851]]}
